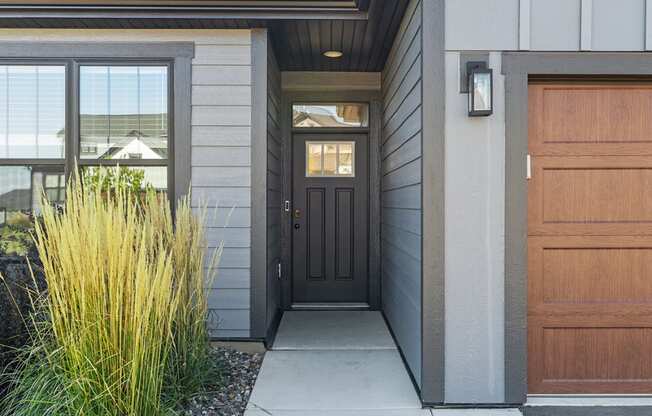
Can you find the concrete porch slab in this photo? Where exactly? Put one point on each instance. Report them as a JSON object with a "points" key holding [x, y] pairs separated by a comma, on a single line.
{"points": [[333, 330], [397, 412], [476, 412], [333, 380]]}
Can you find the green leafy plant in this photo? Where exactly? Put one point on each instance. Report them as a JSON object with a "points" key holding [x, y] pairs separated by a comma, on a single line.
{"points": [[120, 178], [122, 329], [16, 235]]}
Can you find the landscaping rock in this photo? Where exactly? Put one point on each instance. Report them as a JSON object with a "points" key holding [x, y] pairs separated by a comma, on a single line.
{"points": [[239, 371], [15, 304]]}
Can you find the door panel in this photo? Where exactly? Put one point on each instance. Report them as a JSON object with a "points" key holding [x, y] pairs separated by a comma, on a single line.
{"points": [[344, 233], [581, 357], [590, 119], [590, 239], [598, 195], [330, 219], [316, 229]]}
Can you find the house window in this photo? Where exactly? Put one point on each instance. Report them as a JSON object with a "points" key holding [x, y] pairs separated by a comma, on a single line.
{"points": [[121, 119], [32, 111], [124, 112], [21, 187], [330, 159], [325, 115], [32, 137]]}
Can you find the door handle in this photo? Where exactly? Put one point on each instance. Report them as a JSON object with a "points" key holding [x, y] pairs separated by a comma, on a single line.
{"points": [[297, 226]]}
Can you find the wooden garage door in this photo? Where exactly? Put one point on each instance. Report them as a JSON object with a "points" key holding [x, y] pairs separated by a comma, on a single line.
{"points": [[590, 238]]}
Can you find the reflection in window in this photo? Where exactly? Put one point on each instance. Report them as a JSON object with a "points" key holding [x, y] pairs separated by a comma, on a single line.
{"points": [[330, 159], [330, 115], [32, 111], [345, 163], [155, 176], [124, 112], [21, 188], [314, 159]]}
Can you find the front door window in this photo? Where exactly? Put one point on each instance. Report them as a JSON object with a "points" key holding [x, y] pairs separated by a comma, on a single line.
{"points": [[330, 159]]}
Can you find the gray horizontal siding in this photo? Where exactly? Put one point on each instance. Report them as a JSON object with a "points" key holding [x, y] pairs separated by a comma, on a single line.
{"points": [[224, 156], [401, 188], [233, 75], [220, 137], [221, 175], [274, 186], [221, 196]]}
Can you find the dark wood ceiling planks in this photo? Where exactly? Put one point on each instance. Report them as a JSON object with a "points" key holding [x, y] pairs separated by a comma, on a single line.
{"points": [[365, 43], [299, 44]]}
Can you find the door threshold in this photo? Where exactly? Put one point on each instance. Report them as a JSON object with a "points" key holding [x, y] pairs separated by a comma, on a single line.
{"points": [[589, 400], [323, 306]]}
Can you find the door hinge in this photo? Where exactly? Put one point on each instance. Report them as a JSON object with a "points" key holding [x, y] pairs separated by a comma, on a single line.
{"points": [[528, 167], [279, 271], [286, 206]]}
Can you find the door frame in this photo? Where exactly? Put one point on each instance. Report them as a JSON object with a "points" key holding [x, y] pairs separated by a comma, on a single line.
{"points": [[517, 67], [373, 133]]}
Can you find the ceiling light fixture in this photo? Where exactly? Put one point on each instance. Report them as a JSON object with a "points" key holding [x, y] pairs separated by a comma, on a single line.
{"points": [[333, 54]]}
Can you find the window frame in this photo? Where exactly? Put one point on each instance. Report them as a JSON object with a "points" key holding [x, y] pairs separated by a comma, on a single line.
{"points": [[72, 118]]}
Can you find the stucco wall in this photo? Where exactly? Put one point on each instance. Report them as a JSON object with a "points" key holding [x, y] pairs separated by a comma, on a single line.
{"points": [[474, 244], [221, 149], [475, 160]]}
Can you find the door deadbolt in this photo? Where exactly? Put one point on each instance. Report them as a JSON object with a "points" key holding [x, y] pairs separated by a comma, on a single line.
{"points": [[297, 213]]}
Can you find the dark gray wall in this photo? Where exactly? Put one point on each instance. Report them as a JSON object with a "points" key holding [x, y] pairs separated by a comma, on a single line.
{"points": [[274, 186], [401, 226]]}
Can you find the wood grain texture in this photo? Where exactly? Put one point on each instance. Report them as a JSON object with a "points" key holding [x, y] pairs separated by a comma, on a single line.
{"points": [[590, 119], [590, 238]]}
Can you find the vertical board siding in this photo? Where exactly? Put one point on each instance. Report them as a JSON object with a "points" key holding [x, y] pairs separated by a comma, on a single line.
{"points": [[220, 155], [565, 15], [618, 26], [552, 25], [401, 188], [274, 186]]}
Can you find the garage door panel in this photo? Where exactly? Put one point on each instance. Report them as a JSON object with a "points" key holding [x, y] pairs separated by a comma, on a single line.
{"points": [[585, 358], [590, 119], [600, 195], [590, 238], [593, 274]]}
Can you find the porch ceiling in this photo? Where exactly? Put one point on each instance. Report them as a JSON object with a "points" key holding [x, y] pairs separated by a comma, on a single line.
{"points": [[301, 30]]}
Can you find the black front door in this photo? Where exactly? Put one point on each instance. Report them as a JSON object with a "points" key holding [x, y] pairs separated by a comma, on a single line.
{"points": [[329, 218]]}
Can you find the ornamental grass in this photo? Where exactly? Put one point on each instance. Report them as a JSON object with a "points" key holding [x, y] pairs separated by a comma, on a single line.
{"points": [[122, 328]]}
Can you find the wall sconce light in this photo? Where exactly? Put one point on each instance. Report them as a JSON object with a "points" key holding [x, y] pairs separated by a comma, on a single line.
{"points": [[480, 83]]}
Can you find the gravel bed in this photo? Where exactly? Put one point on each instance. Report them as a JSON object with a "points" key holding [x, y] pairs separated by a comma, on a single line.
{"points": [[239, 371]]}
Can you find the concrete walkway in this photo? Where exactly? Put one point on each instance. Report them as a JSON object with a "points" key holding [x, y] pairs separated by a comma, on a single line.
{"points": [[340, 363]]}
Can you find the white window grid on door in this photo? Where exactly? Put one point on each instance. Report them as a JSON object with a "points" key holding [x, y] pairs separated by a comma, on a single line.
{"points": [[337, 145]]}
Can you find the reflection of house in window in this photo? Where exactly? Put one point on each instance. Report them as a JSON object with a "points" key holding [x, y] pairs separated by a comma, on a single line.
{"points": [[88, 149], [112, 137], [54, 185], [330, 115], [21, 188]]}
